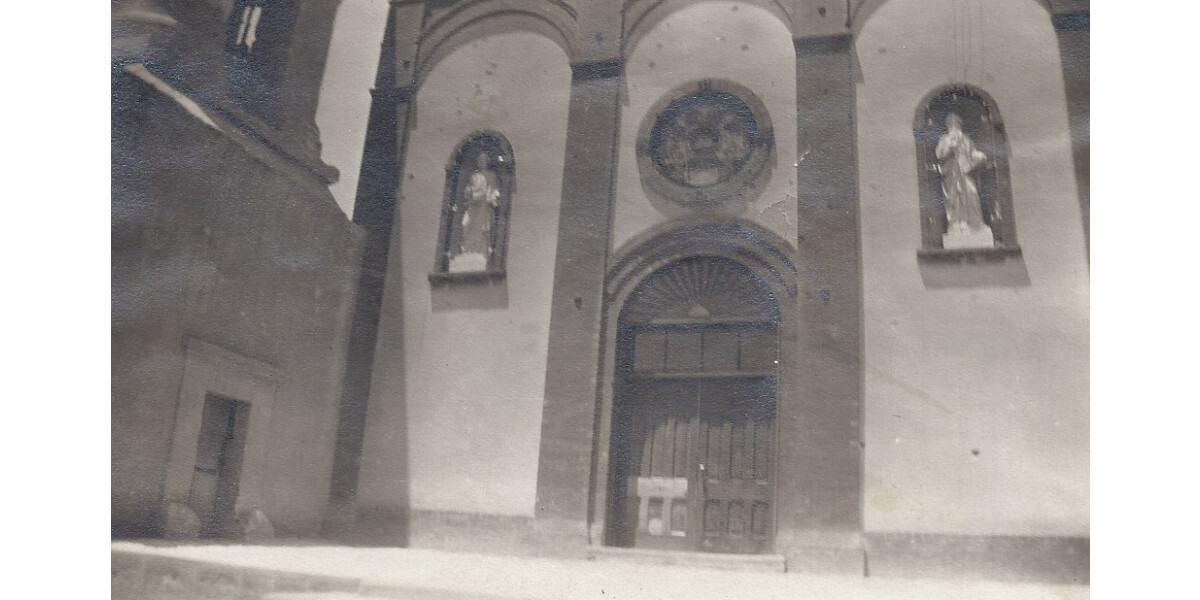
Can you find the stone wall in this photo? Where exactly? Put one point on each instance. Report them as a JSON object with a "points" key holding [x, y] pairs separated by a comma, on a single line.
{"points": [[218, 239], [977, 396], [455, 409]]}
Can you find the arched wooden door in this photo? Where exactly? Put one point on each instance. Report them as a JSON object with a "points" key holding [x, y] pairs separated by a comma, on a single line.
{"points": [[693, 448]]}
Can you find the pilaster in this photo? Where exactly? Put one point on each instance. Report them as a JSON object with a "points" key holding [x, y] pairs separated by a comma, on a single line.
{"points": [[569, 409], [820, 420], [379, 187], [1073, 27]]}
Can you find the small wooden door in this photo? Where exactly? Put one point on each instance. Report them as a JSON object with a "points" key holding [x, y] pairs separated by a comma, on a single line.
{"points": [[218, 466]]}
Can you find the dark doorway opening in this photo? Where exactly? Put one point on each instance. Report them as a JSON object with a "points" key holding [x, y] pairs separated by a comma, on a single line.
{"points": [[218, 468]]}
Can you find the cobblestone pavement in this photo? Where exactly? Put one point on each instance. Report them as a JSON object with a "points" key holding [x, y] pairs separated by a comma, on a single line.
{"points": [[343, 573]]}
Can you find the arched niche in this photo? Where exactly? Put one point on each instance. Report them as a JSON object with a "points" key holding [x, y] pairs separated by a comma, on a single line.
{"points": [[480, 182], [962, 163]]}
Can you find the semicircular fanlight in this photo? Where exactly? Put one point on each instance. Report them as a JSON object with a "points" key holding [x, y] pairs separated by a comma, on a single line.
{"points": [[709, 288]]}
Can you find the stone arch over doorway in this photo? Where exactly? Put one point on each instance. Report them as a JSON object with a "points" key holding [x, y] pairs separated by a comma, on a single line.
{"points": [[728, 287]]}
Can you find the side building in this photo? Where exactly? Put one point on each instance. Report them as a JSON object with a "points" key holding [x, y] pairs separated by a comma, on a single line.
{"points": [[233, 269]]}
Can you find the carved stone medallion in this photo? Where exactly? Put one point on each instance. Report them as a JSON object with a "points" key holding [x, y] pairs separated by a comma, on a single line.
{"points": [[703, 138], [705, 147]]}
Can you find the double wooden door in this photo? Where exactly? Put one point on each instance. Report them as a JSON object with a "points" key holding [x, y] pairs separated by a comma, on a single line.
{"points": [[695, 463]]}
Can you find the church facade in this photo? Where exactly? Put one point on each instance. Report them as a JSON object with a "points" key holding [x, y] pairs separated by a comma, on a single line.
{"points": [[796, 278]]}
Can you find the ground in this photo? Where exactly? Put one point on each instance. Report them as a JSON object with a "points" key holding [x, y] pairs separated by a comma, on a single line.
{"points": [[430, 574]]}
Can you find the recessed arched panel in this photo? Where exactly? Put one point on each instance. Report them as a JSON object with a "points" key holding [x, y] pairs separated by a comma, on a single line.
{"points": [[469, 21], [642, 16], [861, 11], [700, 133]]}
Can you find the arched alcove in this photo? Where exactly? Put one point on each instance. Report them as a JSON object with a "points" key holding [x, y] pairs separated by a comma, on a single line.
{"points": [[480, 181], [469, 21], [962, 162]]}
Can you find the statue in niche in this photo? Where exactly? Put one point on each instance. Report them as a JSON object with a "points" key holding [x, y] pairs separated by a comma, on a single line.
{"points": [[964, 215], [480, 199]]}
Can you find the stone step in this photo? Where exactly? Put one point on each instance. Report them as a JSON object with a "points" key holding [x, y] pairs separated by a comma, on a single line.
{"points": [[758, 563]]}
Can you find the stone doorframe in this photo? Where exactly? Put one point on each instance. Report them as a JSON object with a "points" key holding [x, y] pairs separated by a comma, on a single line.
{"points": [[209, 368], [768, 257]]}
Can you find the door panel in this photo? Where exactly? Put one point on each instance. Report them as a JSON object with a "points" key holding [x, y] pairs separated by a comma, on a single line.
{"points": [[660, 424], [735, 421], [699, 464]]}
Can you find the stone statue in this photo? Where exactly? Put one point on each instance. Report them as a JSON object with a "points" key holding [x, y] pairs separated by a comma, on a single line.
{"points": [[964, 215], [480, 198]]}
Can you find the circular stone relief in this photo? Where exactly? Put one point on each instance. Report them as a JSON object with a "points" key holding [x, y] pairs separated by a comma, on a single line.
{"points": [[705, 146], [702, 139]]}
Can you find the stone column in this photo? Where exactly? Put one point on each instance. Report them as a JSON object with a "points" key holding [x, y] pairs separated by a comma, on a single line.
{"points": [[819, 493], [1074, 47], [379, 186], [568, 414]]}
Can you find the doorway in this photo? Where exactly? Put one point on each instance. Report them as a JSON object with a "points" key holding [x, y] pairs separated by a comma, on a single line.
{"points": [[218, 467], [692, 450]]}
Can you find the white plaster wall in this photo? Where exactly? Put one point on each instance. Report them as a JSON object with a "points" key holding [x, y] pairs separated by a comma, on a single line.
{"points": [[1002, 371], [711, 40], [475, 378]]}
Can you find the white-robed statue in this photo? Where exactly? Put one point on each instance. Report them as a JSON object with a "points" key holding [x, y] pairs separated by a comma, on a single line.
{"points": [[480, 197], [964, 215]]}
